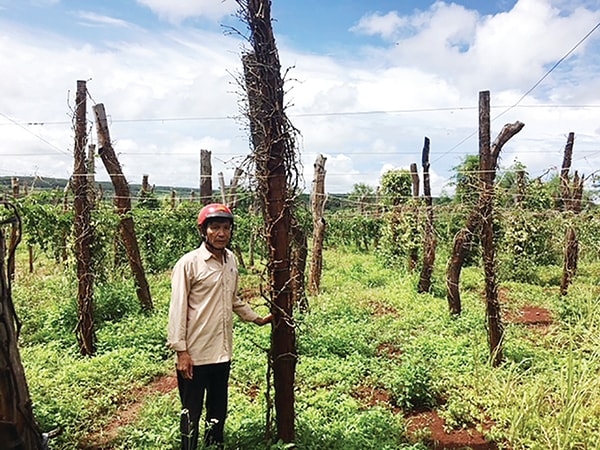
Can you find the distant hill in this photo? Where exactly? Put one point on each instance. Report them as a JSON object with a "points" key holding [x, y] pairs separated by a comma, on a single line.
{"points": [[28, 183]]}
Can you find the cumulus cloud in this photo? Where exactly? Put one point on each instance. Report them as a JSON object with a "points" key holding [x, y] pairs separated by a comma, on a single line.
{"points": [[177, 11], [384, 25]]}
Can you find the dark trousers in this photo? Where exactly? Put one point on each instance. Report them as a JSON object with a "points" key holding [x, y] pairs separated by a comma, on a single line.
{"points": [[208, 382]]}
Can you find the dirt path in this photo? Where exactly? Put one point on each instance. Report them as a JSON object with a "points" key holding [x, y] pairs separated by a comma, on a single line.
{"points": [[102, 439]]}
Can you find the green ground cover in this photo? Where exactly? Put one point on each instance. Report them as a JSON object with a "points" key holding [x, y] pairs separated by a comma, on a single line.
{"points": [[370, 351]]}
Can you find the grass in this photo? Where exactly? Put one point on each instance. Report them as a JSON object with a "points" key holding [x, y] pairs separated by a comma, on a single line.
{"points": [[367, 333]]}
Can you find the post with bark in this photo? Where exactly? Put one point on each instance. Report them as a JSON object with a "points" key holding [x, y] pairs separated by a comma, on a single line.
{"points": [[273, 139], [571, 196], [205, 177], [565, 191], [145, 184], [232, 195], [429, 241], [413, 255], [91, 171], [487, 167], [318, 199], [464, 238], [299, 256], [83, 230], [18, 427], [222, 188], [14, 182], [122, 204]]}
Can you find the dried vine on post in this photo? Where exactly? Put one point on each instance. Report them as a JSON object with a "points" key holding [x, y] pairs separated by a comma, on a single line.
{"points": [[18, 427], [205, 177], [571, 195], [275, 158], [430, 241], [319, 225], [487, 171], [86, 336], [123, 205], [413, 255], [463, 239]]}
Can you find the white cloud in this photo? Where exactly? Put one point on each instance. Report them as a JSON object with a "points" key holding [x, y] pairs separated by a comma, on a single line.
{"points": [[93, 19], [177, 11], [376, 23]]}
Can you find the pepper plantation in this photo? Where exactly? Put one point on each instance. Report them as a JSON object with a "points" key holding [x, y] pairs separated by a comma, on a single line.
{"points": [[379, 365], [400, 321]]}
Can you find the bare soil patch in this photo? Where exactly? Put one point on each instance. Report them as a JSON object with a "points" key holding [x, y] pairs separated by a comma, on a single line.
{"points": [[430, 424], [127, 413], [531, 315]]}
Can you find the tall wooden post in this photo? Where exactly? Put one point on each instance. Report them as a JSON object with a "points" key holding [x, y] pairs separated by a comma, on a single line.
{"points": [[222, 187], [14, 182], [232, 196], [430, 241], [571, 194], [487, 167], [317, 206], [18, 427], [83, 230], [145, 183], [122, 204], [274, 154], [205, 177], [413, 254], [91, 174], [565, 191]]}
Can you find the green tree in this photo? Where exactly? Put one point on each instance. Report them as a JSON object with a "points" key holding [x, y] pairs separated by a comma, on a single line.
{"points": [[466, 180], [396, 187], [362, 195]]}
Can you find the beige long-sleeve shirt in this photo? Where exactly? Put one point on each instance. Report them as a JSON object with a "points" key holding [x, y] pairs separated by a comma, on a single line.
{"points": [[203, 298]]}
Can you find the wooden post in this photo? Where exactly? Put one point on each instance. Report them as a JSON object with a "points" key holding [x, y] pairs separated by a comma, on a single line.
{"points": [[565, 190], [463, 239], [122, 204], [274, 152], [430, 241], [318, 207], [487, 167], [571, 195], [91, 174], [145, 184], [222, 188], [18, 427], [232, 198], [413, 255], [14, 181], [83, 230], [205, 177]]}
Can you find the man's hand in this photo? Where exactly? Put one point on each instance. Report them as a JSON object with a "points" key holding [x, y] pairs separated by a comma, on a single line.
{"points": [[263, 320], [185, 365]]}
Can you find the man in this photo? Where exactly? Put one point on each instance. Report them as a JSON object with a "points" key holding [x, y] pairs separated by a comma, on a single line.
{"points": [[203, 298]]}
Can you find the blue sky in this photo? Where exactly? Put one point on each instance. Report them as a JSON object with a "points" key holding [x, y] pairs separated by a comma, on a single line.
{"points": [[367, 81]]}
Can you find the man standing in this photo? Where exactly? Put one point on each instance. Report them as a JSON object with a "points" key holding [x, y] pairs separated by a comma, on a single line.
{"points": [[203, 299]]}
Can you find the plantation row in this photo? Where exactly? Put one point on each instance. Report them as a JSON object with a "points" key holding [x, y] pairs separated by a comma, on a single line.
{"points": [[525, 238]]}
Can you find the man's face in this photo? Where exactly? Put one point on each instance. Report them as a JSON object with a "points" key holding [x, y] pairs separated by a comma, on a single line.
{"points": [[218, 233]]}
